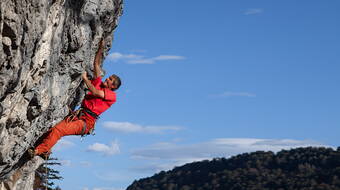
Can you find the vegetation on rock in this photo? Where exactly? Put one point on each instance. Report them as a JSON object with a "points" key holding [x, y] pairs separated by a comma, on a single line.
{"points": [[45, 175]]}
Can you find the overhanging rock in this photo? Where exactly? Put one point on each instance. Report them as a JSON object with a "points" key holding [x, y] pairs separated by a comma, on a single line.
{"points": [[45, 46]]}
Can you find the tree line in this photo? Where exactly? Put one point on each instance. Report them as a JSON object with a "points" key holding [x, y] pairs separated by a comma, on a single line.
{"points": [[309, 168]]}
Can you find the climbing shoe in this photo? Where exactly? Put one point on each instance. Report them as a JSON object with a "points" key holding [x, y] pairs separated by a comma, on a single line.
{"points": [[31, 153]]}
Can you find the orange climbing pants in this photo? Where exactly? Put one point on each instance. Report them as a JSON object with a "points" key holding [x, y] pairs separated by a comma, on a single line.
{"points": [[69, 126]]}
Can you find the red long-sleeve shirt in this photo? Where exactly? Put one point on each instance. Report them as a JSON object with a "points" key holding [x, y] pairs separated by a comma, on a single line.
{"points": [[96, 104]]}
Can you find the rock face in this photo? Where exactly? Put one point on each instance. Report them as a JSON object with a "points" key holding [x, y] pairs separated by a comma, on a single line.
{"points": [[23, 178], [45, 45]]}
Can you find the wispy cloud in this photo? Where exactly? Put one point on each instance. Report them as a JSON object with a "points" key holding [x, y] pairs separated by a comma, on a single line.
{"points": [[128, 127], [117, 56], [63, 144], [167, 155], [108, 150], [231, 94], [141, 59], [253, 11], [65, 162]]}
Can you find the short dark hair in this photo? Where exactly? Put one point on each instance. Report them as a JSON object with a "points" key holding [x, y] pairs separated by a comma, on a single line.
{"points": [[117, 82]]}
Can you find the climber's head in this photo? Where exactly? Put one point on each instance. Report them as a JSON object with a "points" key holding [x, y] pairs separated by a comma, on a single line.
{"points": [[113, 82]]}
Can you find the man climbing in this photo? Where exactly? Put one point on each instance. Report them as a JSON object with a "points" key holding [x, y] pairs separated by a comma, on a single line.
{"points": [[81, 122]]}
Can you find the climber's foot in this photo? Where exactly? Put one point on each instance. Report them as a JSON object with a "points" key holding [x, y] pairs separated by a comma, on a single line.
{"points": [[31, 152]]}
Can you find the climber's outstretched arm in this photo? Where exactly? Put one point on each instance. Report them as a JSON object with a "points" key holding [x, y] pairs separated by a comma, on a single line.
{"points": [[95, 92], [98, 59]]}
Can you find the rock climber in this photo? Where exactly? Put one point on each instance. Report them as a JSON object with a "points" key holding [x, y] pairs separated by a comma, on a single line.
{"points": [[81, 122]]}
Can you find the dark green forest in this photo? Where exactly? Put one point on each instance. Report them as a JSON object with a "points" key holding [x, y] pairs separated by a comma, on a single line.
{"points": [[308, 168]]}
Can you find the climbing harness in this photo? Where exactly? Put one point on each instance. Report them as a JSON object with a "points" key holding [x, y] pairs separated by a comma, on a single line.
{"points": [[75, 115], [91, 113]]}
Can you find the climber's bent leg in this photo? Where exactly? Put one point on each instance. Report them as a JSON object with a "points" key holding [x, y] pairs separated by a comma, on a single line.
{"points": [[63, 128]]}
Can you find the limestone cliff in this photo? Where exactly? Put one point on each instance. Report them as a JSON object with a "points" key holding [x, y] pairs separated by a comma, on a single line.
{"points": [[45, 45]]}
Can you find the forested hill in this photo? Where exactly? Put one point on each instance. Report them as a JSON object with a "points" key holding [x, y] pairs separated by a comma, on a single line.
{"points": [[301, 168]]}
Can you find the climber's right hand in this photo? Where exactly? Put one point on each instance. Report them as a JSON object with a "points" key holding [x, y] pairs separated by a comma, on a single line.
{"points": [[84, 75]]}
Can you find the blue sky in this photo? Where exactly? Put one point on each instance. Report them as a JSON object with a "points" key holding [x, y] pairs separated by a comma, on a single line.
{"points": [[209, 79]]}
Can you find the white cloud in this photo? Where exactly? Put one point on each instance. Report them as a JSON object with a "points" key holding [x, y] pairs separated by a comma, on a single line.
{"points": [[167, 57], [253, 11], [128, 127], [231, 94], [167, 155], [107, 150], [141, 59], [117, 56], [65, 162], [63, 144]]}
